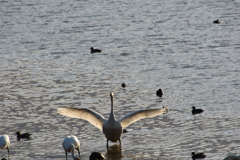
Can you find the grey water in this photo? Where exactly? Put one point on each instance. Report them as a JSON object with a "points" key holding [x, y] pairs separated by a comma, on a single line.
{"points": [[169, 44]]}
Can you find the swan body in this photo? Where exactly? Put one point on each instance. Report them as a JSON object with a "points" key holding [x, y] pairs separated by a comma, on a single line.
{"points": [[111, 128], [5, 143], [69, 144]]}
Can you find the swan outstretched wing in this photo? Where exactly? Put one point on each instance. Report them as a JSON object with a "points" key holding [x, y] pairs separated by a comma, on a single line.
{"points": [[94, 118], [140, 114]]}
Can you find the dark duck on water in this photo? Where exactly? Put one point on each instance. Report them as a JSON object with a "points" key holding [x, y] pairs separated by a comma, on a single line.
{"points": [[216, 21], [95, 50], [198, 155], [96, 156], [196, 111], [159, 93], [23, 136]]}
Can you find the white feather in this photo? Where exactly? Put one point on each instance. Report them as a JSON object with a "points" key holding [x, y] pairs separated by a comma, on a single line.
{"points": [[140, 114], [94, 118]]}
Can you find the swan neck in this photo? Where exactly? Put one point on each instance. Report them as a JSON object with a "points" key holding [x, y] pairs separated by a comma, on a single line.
{"points": [[112, 114], [72, 147]]}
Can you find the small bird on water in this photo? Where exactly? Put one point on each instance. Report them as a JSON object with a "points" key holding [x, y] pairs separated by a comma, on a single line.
{"points": [[23, 136], [95, 50], [198, 155], [123, 85], [196, 111], [216, 21], [125, 130], [96, 156], [159, 93]]}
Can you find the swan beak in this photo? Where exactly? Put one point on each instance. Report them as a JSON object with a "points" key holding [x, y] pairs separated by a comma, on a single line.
{"points": [[111, 94]]}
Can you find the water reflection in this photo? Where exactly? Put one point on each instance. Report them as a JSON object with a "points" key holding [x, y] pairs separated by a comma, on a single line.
{"points": [[114, 152]]}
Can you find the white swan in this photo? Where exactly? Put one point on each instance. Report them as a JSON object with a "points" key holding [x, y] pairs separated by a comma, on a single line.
{"points": [[111, 128], [5, 143], [69, 144]]}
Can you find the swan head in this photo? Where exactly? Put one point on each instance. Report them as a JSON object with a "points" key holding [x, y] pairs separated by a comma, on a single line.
{"points": [[111, 94]]}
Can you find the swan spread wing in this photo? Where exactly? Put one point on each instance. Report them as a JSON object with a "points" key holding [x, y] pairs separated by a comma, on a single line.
{"points": [[94, 118], [140, 114]]}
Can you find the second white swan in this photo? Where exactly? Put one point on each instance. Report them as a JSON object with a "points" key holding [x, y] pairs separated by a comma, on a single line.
{"points": [[111, 128]]}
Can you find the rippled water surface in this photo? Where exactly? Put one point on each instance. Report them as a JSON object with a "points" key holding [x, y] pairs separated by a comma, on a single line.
{"points": [[168, 44]]}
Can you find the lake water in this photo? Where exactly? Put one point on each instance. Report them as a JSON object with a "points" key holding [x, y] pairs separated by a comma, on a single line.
{"points": [[168, 44]]}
